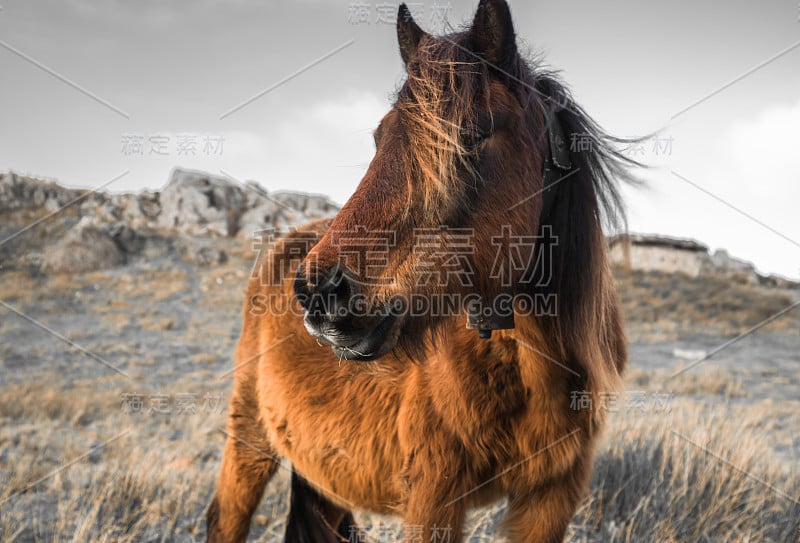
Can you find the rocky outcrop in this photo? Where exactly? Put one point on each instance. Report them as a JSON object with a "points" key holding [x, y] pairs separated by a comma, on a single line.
{"points": [[721, 260], [201, 204], [20, 192], [193, 203], [87, 246], [110, 228]]}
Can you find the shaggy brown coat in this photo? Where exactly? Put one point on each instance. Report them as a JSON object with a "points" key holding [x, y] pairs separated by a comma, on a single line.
{"points": [[446, 420]]}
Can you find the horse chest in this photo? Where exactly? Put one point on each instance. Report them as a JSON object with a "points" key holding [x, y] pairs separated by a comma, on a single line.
{"points": [[478, 400]]}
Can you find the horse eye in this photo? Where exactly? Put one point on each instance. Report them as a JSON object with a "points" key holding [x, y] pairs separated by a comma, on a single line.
{"points": [[475, 132], [471, 138]]}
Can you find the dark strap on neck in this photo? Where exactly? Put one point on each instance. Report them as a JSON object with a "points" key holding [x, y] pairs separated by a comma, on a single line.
{"points": [[557, 160], [557, 164]]}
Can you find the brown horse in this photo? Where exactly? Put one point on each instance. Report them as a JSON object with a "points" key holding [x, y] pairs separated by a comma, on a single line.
{"points": [[357, 361]]}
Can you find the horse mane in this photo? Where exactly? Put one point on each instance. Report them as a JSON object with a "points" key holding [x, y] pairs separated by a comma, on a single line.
{"points": [[602, 162], [588, 325], [445, 84]]}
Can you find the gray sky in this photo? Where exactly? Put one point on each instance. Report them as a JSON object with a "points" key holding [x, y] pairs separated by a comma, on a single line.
{"points": [[175, 68]]}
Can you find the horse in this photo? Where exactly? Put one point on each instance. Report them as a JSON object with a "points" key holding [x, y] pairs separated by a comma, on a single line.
{"points": [[475, 194]]}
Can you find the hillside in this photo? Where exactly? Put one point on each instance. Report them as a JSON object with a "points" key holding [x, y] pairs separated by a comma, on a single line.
{"points": [[120, 315]]}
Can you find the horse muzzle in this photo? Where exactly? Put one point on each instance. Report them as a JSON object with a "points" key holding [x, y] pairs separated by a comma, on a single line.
{"points": [[335, 314]]}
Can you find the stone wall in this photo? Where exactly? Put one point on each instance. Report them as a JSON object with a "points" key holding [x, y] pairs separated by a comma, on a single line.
{"points": [[651, 253], [660, 258]]}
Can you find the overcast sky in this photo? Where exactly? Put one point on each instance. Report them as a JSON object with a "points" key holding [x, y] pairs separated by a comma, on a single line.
{"points": [[158, 77]]}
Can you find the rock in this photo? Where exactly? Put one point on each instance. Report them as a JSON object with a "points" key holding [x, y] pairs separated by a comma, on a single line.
{"points": [[281, 210], [739, 270], [19, 192], [193, 202], [199, 251], [149, 204], [256, 218], [312, 206], [125, 237], [689, 354], [85, 247], [776, 281], [198, 203]]}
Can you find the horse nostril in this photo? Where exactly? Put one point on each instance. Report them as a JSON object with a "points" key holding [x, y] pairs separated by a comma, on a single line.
{"points": [[327, 294], [336, 286]]}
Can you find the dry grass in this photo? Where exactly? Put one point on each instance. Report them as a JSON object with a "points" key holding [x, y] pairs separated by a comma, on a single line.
{"points": [[651, 483], [700, 382], [691, 475], [660, 306]]}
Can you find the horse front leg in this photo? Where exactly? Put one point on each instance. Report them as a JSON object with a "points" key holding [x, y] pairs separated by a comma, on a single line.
{"points": [[248, 463], [242, 480], [429, 517], [435, 500], [543, 514]]}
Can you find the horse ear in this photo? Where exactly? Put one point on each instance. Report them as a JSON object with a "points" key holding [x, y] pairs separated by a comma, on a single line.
{"points": [[409, 34], [492, 34]]}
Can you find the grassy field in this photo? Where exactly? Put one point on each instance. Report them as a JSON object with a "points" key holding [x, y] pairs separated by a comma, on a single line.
{"points": [[88, 454], [77, 467]]}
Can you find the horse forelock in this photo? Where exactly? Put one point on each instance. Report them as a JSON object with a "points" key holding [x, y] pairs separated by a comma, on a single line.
{"points": [[444, 88]]}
